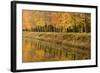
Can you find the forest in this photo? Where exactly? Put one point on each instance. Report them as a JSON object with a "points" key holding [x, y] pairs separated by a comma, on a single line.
{"points": [[48, 21], [55, 36]]}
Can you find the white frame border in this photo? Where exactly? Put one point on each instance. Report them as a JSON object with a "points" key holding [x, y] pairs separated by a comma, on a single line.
{"points": [[37, 65]]}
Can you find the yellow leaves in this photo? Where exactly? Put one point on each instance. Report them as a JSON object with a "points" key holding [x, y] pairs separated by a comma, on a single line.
{"points": [[55, 46], [33, 18], [26, 19], [39, 55], [41, 18], [26, 50]]}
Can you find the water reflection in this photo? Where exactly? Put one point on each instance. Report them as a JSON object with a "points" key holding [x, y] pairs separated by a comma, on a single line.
{"points": [[35, 50]]}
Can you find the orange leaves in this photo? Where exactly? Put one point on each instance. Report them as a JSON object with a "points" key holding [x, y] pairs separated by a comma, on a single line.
{"points": [[34, 18]]}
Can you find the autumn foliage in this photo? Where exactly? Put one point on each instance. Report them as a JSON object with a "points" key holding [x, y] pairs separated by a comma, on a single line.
{"points": [[55, 36], [49, 21]]}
